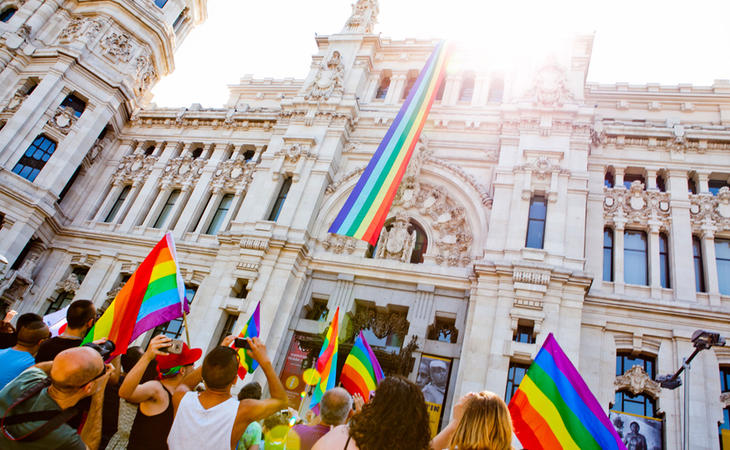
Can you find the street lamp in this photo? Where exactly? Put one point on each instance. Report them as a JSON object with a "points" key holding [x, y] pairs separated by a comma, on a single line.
{"points": [[701, 340]]}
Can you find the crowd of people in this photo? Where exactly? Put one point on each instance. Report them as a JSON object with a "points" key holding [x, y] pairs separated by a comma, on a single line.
{"points": [[57, 394]]}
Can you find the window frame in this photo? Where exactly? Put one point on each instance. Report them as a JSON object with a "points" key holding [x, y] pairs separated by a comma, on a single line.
{"points": [[512, 383], [29, 161], [722, 262], [629, 272], [167, 209], [121, 198], [536, 221], [278, 205], [698, 259], [8, 14], [665, 268], [220, 215], [608, 233]]}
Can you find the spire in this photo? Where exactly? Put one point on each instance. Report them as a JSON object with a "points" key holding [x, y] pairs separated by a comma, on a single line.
{"points": [[363, 18]]}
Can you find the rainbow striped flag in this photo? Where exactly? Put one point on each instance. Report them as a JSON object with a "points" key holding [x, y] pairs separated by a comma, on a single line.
{"points": [[553, 407], [361, 372], [246, 364], [326, 362], [366, 209], [155, 294]]}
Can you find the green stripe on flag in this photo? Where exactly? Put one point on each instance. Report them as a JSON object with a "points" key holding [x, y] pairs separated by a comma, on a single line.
{"points": [[161, 285]]}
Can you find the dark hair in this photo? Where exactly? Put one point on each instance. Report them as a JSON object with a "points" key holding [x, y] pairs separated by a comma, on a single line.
{"points": [[27, 319], [250, 390], [397, 418], [133, 355], [79, 313], [33, 333], [220, 367]]}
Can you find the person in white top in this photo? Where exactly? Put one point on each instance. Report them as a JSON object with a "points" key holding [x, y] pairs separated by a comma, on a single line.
{"points": [[214, 419]]}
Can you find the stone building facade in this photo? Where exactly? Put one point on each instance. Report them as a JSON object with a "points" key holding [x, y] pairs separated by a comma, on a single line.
{"points": [[534, 203]]}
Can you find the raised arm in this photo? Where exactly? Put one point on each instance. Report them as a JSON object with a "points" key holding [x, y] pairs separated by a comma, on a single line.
{"points": [[131, 390], [91, 432], [250, 409], [441, 440]]}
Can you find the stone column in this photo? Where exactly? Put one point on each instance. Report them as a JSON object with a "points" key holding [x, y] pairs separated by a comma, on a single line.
{"points": [[395, 90], [618, 176], [651, 178], [204, 221], [131, 197], [702, 182], [110, 199], [154, 211], [654, 264], [421, 314], [618, 256], [595, 225], [180, 203], [342, 298], [481, 90], [681, 241]]}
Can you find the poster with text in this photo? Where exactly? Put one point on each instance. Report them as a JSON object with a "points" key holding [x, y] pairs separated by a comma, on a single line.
{"points": [[638, 432], [433, 379], [291, 373]]}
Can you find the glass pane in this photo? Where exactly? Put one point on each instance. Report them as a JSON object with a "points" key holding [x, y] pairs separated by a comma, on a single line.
{"points": [[722, 248], [535, 232], [538, 208], [723, 275], [635, 240]]}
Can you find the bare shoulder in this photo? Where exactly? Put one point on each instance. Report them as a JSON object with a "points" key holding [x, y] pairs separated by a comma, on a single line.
{"points": [[335, 439]]}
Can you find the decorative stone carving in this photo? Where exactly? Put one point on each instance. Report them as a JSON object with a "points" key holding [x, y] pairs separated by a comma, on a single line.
{"points": [[83, 260], [145, 73], [637, 381], [236, 174], [255, 244], [710, 212], [340, 181], [328, 80], [541, 168], [14, 103], [98, 147], [550, 86], [134, 168], [80, 29], [382, 323], [364, 16], [293, 152], [530, 277], [725, 399], [63, 119], [69, 284], [397, 243], [339, 244], [636, 206], [118, 47], [182, 171]]}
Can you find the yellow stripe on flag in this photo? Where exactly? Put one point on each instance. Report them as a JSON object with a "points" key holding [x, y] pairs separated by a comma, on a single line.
{"points": [[162, 270], [364, 373], [549, 412]]}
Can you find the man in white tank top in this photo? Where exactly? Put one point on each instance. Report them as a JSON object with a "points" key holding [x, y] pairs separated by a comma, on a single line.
{"points": [[213, 419]]}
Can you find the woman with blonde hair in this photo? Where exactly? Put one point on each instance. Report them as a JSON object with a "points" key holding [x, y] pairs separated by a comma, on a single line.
{"points": [[481, 421]]}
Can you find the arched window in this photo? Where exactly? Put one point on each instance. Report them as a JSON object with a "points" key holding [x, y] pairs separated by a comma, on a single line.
{"points": [[419, 248], [33, 160], [467, 87], [167, 209], [7, 14], [197, 152], [75, 103], [383, 87], [536, 222]]}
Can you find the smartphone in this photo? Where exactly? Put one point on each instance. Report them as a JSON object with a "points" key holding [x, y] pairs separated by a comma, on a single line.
{"points": [[241, 343], [176, 347]]}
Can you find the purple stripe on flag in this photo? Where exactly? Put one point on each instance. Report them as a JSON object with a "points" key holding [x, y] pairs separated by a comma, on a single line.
{"points": [[566, 367], [377, 370], [158, 317]]}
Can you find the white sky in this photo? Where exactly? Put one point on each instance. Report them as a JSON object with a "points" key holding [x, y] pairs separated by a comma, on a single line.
{"points": [[636, 41]]}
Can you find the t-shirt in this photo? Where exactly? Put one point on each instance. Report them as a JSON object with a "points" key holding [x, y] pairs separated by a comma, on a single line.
{"points": [[62, 438], [250, 437], [13, 362], [308, 434], [55, 345]]}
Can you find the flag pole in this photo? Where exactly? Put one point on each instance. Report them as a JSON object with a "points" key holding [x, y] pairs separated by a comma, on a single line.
{"points": [[185, 323]]}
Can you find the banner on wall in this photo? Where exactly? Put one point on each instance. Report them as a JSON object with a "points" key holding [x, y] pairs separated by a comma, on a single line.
{"points": [[638, 432], [291, 373], [433, 379]]}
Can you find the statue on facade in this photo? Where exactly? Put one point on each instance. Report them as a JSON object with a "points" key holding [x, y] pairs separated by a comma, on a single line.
{"points": [[397, 243], [363, 18], [329, 79]]}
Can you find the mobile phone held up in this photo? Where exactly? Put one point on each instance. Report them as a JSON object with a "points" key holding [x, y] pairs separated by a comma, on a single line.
{"points": [[175, 347], [241, 343]]}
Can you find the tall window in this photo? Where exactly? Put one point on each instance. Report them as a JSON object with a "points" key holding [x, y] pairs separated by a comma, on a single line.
{"points": [[220, 214], [410, 81], [524, 333], [515, 374], [33, 160], [467, 87], [608, 180], [536, 222], [118, 204], [639, 404], [699, 268], [75, 103], [722, 256], [228, 326], [174, 328], [7, 14], [179, 20], [61, 301], [635, 257], [383, 87], [691, 185], [279, 203], [664, 277], [496, 89], [167, 209], [160, 3], [607, 254], [440, 91]]}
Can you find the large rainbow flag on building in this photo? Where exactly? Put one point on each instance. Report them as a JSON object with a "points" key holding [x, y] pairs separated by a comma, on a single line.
{"points": [[327, 362], [554, 409], [361, 372], [367, 207], [246, 364], [155, 294]]}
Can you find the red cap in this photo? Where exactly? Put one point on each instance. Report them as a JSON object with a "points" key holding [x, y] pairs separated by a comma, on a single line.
{"points": [[186, 357]]}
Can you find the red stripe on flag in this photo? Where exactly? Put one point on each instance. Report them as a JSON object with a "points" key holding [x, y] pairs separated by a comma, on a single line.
{"points": [[530, 427]]}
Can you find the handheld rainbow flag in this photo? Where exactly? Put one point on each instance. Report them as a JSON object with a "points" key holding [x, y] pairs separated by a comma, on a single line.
{"points": [[361, 372], [246, 364], [366, 208], [155, 294], [553, 407], [326, 362]]}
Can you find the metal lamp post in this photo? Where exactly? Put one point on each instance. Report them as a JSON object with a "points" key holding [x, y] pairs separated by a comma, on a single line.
{"points": [[701, 340]]}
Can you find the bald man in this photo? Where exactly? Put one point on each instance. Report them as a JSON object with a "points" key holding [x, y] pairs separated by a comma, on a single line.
{"points": [[22, 355], [73, 375]]}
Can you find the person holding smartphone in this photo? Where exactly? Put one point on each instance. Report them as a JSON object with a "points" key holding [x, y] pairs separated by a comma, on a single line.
{"points": [[155, 414]]}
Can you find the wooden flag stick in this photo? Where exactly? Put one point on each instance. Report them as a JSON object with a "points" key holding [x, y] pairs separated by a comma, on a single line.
{"points": [[185, 323]]}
